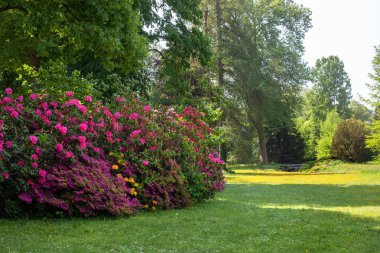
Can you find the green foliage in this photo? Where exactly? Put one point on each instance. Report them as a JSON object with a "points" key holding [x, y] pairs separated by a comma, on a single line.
{"points": [[54, 79], [331, 91], [375, 76], [373, 139], [332, 85], [360, 111], [262, 42], [308, 123], [177, 44], [349, 141], [328, 128], [320, 165], [32, 32], [286, 146]]}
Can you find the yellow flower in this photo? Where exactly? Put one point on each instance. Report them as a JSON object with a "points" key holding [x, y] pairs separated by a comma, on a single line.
{"points": [[154, 208], [136, 185], [154, 202], [119, 176], [126, 179], [115, 167], [146, 206], [133, 192], [122, 155], [120, 162], [111, 153], [131, 180]]}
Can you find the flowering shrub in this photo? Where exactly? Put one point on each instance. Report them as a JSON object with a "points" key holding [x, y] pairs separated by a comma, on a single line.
{"points": [[85, 158]]}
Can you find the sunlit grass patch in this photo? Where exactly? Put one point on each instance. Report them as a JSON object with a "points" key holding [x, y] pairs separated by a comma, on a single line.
{"points": [[339, 179], [359, 211], [341, 174]]}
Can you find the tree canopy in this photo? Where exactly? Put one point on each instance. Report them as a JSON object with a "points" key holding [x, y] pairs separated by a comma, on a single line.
{"points": [[332, 85], [32, 32], [262, 47]]}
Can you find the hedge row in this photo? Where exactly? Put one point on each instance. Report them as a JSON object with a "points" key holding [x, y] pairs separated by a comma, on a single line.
{"points": [[84, 158]]}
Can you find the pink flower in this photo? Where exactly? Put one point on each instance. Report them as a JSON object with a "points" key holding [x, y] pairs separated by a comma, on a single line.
{"points": [[69, 94], [34, 157], [7, 100], [20, 98], [14, 114], [82, 108], [59, 148], [75, 102], [34, 165], [33, 139], [54, 104], [142, 141], [97, 150], [48, 113], [20, 163], [83, 127], [42, 173], [5, 175], [117, 115], [61, 129], [44, 105], [109, 136], [145, 163], [25, 197], [88, 99], [82, 142], [133, 116], [120, 99], [8, 91], [69, 154], [147, 108], [38, 151], [34, 96], [8, 144], [135, 133]]}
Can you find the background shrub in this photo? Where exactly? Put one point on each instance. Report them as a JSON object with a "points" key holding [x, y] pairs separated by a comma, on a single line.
{"points": [[349, 141], [327, 129]]}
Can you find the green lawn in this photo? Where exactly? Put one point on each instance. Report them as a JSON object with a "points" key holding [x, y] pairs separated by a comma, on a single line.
{"points": [[261, 210]]}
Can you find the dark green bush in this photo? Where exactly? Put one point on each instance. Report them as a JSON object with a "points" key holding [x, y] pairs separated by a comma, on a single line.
{"points": [[349, 141]]}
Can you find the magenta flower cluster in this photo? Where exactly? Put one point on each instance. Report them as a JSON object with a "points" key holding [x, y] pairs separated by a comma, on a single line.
{"points": [[84, 158]]}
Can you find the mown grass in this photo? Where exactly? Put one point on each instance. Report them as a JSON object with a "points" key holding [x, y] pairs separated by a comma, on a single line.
{"points": [[261, 210]]}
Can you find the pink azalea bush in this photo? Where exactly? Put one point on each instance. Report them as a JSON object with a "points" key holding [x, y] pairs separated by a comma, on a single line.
{"points": [[84, 158]]}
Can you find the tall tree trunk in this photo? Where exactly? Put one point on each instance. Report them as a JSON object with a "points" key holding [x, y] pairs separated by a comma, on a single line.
{"points": [[219, 41], [34, 60], [262, 143], [206, 19], [223, 151]]}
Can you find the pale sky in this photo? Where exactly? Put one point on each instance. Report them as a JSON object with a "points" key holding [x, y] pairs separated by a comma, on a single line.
{"points": [[349, 29]]}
